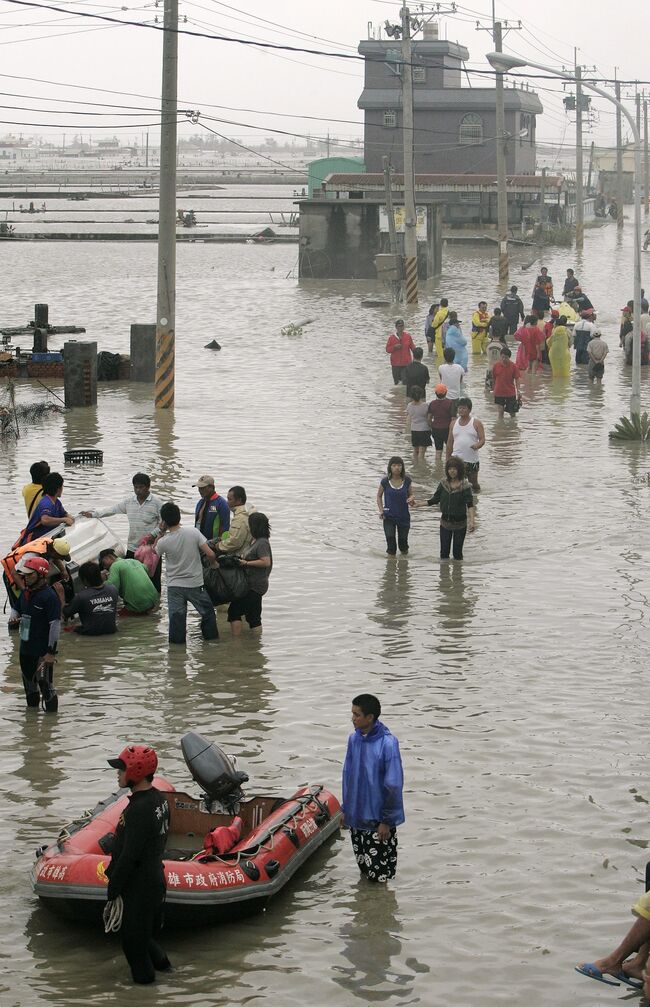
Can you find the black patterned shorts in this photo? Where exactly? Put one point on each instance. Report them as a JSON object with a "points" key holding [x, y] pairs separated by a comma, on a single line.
{"points": [[378, 861]]}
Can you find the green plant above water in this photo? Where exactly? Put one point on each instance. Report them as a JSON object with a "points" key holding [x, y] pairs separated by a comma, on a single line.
{"points": [[634, 428]]}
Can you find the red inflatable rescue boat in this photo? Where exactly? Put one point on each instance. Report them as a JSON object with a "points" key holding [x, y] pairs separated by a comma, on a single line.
{"points": [[278, 834]]}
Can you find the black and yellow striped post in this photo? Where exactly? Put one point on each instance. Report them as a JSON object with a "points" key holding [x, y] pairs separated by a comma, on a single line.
{"points": [[166, 305], [411, 279], [165, 367]]}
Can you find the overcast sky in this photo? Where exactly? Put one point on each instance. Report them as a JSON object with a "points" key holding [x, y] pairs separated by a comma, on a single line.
{"points": [[74, 50]]}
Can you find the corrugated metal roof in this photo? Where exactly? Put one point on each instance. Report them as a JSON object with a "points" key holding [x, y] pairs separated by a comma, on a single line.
{"points": [[376, 181], [460, 99]]}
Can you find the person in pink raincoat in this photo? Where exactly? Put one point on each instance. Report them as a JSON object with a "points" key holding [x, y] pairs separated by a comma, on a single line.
{"points": [[529, 338]]}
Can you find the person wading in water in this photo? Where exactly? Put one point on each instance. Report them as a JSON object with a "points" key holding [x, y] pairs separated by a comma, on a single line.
{"points": [[466, 438]]}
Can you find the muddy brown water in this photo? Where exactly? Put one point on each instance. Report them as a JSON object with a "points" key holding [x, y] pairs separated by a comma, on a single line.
{"points": [[516, 681]]}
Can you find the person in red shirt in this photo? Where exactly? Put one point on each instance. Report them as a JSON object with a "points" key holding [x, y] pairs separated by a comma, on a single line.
{"points": [[400, 346], [506, 384], [440, 415]]}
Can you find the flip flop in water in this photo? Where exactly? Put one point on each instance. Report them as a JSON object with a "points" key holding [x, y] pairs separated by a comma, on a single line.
{"points": [[592, 971], [635, 984]]}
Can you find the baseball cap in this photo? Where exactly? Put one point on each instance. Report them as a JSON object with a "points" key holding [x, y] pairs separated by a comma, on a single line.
{"points": [[440, 389], [204, 481]]}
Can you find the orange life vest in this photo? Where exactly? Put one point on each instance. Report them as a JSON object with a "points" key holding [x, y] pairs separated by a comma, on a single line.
{"points": [[38, 546]]}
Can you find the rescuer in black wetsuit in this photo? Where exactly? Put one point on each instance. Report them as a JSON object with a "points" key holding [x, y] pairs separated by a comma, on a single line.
{"points": [[136, 871]]}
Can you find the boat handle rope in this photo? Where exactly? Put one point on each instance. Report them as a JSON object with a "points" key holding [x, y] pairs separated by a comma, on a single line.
{"points": [[83, 819]]}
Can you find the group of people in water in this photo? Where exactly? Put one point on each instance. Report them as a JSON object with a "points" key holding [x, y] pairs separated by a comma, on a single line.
{"points": [[544, 336], [224, 556]]}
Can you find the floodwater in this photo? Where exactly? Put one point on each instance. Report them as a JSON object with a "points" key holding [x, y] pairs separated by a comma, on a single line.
{"points": [[515, 681], [232, 209]]}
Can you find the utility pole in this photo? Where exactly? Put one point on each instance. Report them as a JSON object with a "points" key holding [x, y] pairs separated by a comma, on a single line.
{"points": [[646, 169], [146, 156], [396, 286], [619, 157], [591, 166], [580, 199], [501, 141], [410, 218], [502, 192], [166, 303]]}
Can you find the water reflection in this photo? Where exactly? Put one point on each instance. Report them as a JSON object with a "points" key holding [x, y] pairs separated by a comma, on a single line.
{"points": [[370, 941], [453, 609], [98, 959], [394, 606], [168, 469]]}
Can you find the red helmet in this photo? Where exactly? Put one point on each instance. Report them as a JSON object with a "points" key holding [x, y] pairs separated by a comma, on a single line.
{"points": [[37, 565], [137, 761]]}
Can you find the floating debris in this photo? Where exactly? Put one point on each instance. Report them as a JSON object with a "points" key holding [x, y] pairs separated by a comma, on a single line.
{"points": [[214, 345], [295, 328]]}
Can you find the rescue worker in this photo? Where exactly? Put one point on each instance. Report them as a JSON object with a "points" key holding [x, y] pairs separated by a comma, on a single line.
{"points": [[136, 872], [40, 624], [54, 550]]}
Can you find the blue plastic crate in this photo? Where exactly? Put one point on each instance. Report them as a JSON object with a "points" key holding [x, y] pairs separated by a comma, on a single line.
{"points": [[47, 358]]}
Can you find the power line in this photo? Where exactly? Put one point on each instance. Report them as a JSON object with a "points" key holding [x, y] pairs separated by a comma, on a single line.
{"points": [[287, 48]]}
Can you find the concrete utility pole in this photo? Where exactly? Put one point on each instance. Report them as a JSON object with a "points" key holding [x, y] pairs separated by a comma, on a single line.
{"points": [[590, 169], [502, 192], [580, 197], [646, 166], [395, 285], [619, 157], [410, 217], [166, 305]]}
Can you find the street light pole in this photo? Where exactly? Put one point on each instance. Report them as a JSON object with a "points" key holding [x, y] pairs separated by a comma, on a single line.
{"points": [[619, 158], [505, 62]]}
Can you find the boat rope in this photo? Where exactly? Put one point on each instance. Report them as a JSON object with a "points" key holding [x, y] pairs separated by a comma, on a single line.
{"points": [[112, 915], [233, 859], [82, 820]]}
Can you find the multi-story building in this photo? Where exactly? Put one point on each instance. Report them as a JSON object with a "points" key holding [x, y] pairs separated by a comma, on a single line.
{"points": [[454, 122]]}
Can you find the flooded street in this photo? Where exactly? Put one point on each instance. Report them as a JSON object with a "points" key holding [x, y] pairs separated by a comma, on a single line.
{"points": [[513, 681]]}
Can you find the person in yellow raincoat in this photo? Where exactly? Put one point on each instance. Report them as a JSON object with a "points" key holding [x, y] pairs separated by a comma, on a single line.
{"points": [[439, 320], [480, 321], [558, 344]]}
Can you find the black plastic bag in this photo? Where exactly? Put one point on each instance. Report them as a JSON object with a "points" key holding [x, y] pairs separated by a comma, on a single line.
{"points": [[225, 583]]}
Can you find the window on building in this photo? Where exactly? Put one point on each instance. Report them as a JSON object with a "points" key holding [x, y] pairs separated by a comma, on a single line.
{"points": [[390, 117], [471, 129], [419, 75]]}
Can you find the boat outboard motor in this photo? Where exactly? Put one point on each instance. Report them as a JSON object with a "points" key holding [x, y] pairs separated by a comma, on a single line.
{"points": [[214, 771]]}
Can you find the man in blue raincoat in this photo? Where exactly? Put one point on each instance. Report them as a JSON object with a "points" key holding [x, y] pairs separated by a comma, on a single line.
{"points": [[372, 790]]}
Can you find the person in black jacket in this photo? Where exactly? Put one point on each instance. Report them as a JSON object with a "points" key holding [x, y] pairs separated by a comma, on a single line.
{"points": [[512, 307], [136, 871]]}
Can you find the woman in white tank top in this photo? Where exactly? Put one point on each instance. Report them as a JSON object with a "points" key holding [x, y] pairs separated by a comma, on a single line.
{"points": [[466, 439]]}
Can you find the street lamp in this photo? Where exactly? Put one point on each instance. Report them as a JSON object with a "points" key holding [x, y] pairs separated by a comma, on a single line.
{"points": [[502, 62]]}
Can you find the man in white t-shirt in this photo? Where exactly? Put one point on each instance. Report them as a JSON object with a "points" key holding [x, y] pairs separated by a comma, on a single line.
{"points": [[452, 375], [182, 549]]}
